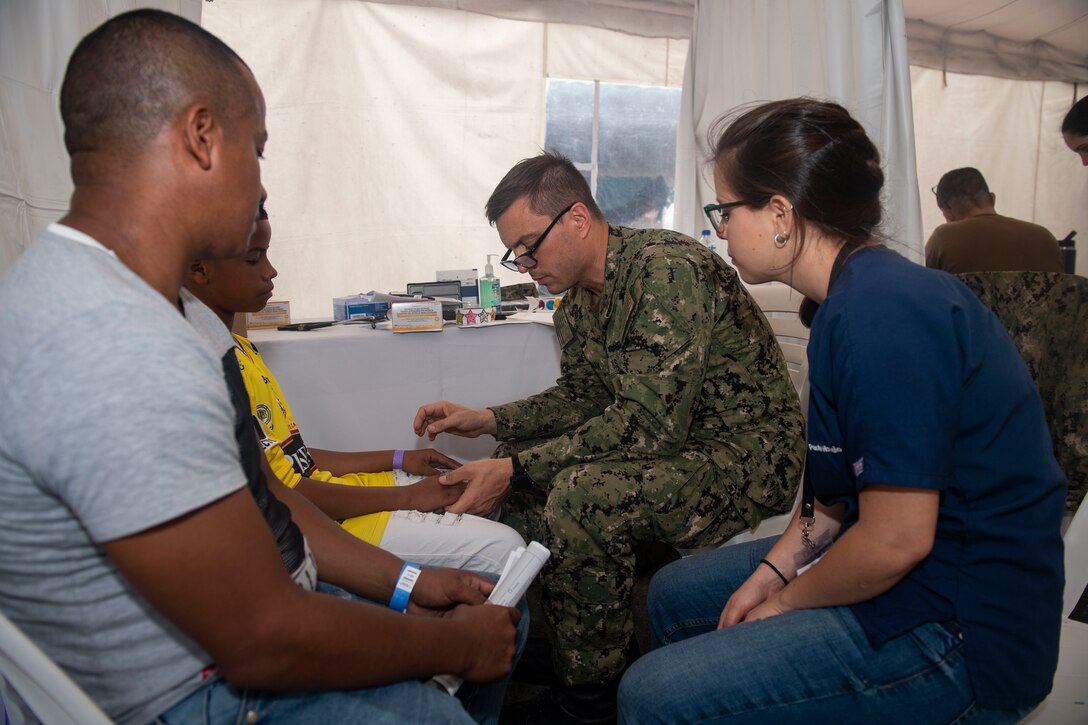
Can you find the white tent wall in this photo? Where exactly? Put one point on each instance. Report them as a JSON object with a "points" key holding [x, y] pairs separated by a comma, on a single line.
{"points": [[1008, 130], [579, 52], [1019, 40], [647, 18], [379, 157], [390, 123], [36, 39]]}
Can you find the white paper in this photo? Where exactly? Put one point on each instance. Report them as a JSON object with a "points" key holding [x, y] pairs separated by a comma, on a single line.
{"points": [[522, 566]]}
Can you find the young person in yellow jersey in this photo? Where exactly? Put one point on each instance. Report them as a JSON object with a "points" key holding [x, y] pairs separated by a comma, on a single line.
{"points": [[356, 488]]}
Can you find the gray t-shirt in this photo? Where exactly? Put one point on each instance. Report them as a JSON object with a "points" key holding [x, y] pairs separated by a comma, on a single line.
{"points": [[115, 419]]}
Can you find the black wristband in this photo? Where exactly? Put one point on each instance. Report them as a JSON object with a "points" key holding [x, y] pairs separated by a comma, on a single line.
{"points": [[520, 480], [775, 570]]}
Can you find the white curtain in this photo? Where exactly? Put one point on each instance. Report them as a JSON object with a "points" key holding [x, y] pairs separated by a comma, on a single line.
{"points": [[390, 126], [849, 51], [36, 39]]}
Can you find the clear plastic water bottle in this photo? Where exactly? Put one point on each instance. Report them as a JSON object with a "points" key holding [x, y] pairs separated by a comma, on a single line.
{"points": [[707, 240]]}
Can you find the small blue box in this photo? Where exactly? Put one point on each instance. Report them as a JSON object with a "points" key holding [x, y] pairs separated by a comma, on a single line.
{"points": [[356, 306]]}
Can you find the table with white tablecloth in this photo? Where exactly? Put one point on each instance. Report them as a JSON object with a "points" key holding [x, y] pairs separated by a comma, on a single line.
{"points": [[352, 387]]}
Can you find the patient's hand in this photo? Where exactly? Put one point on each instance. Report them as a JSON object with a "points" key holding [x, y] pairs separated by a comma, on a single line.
{"points": [[491, 640], [430, 495], [426, 462]]}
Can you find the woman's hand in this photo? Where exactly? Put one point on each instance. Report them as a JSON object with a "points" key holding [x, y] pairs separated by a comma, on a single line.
{"points": [[772, 606], [752, 600]]}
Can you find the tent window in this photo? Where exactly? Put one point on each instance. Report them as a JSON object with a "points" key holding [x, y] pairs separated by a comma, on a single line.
{"points": [[623, 138]]}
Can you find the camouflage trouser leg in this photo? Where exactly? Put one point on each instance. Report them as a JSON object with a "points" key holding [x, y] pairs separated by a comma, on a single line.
{"points": [[591, 518]]}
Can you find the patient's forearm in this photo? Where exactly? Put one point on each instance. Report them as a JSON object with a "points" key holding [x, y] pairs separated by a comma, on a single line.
{"points": [[340, 462], [343, 502]]}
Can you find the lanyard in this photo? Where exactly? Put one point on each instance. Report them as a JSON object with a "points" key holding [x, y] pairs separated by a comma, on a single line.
{"points": [[807, 516]]}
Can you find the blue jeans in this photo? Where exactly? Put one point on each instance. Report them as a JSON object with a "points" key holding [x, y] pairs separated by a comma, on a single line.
{"points": [[218, 703], [808, 666]]}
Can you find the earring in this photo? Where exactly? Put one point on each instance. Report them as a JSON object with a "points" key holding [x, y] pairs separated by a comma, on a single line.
{"points": [[780, 239]]}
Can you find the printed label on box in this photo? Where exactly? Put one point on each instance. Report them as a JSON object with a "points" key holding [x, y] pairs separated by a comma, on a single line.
{"points": [[274, 314], [421, 316]]}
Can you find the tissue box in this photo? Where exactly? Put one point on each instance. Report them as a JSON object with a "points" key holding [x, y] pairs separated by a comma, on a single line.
{"points": [[420, 316], [274, 314], [355, 306]]}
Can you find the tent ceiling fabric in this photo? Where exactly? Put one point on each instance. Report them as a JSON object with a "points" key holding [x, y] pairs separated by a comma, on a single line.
{"points": [[649, 18], [1042, 40], [1017, 39]]}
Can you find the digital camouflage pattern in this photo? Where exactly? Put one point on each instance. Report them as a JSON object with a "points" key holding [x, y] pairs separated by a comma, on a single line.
{"points": [[1046, 314], [674, 419]]}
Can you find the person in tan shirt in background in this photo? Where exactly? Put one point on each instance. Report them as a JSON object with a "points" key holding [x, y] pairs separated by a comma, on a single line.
{"points": [[978, 239]]}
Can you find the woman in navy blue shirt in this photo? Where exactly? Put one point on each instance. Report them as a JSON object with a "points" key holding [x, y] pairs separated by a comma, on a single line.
{"points": [[936, 591]]}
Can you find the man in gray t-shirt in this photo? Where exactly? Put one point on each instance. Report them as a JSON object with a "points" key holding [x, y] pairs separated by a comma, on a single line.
{"points": [[66, 385], [138, 540]]}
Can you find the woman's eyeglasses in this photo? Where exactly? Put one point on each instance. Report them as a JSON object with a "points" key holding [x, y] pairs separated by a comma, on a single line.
{"points": [[718, 214]]}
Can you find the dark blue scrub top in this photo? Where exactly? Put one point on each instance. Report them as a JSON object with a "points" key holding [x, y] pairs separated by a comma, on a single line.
{"points": [[915, 383]]}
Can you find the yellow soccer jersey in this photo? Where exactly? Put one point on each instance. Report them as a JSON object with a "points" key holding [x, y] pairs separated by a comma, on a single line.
{"points": [[283, 445]]}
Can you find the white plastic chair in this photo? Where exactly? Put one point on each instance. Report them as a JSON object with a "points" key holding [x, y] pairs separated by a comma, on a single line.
{"points": [[1068, 701], [44, 688], [780, 305]]}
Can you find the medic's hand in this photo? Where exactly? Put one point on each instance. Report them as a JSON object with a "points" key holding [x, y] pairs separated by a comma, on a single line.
{"points": [[447, 417], [486, 482]]}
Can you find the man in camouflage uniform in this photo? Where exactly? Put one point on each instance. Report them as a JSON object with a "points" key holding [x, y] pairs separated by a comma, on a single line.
{"points": [[674, 418]]}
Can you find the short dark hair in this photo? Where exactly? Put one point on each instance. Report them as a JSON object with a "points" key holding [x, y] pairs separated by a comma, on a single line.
{"points": [[962, 190], [129, 78], [550, 182], [811, 152], [1076, 121]]}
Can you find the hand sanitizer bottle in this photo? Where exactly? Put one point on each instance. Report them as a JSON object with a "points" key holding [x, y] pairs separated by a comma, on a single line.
{"points": [[490, 289]]}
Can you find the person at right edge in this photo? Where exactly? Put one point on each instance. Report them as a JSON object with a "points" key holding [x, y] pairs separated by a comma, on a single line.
{"points": [[674, 420], [1075, 129], [931, 489]]}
